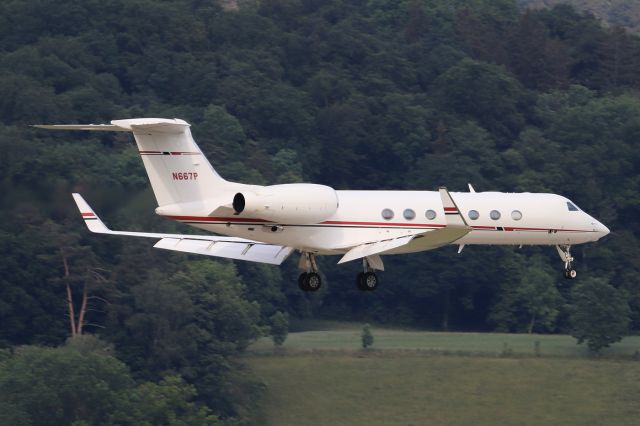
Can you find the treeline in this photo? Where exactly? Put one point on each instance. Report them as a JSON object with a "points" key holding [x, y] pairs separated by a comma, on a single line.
{"points": [[353, 94]]}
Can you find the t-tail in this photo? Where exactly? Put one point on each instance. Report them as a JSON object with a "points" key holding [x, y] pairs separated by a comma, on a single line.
{"points": [[181, 177]]}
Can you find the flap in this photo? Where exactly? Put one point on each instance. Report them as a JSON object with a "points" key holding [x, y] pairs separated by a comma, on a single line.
{"points": [[369, 249], [252, 252]]}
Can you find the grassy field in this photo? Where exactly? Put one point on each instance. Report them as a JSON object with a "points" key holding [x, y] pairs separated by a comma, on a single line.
{"points": [[323, 378], [344, 336], [385, 389]]}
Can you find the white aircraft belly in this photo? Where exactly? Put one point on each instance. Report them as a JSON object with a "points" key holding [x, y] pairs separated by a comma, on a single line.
{"points": [[323, 238]]}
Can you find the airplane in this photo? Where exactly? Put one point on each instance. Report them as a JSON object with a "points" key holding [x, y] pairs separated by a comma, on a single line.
{"points": [[268, 223]]}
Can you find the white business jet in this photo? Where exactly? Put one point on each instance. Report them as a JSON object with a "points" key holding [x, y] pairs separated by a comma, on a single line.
{"points": [[267, 223]]}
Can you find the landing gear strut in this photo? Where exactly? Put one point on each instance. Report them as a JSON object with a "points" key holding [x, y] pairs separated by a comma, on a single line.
{"points": [[367, 280], [309, 280], [565, 255]]}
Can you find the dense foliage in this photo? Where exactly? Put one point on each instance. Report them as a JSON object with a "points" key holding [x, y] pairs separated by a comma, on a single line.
{"points": [[361, 94], [599, 314]]}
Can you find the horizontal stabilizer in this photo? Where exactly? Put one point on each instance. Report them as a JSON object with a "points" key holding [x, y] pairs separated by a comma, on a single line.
{"points": [[157, 125], [89, 127], [252, 252]]}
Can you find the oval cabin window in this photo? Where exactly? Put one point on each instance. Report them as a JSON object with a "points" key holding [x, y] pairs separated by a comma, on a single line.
{"points": [[430, 214], [516, 215], [409, 214], [474, 215], [387, 214], [495, 214]]}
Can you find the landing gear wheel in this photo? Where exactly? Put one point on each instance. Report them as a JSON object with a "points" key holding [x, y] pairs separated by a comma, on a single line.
{"points": [[301, 281], [570, 273], [369, 281], [312, 281]]}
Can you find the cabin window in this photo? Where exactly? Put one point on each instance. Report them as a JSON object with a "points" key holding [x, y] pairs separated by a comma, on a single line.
{"points": [[473, 214], [430, 214], [495, 214], [572, 207], [516, 215], [387, 214], [409, 214]]}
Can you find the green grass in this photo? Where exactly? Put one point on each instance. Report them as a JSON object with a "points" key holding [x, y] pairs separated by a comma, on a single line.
{"points": [[322, 377], [385, 389], [344, 336]]}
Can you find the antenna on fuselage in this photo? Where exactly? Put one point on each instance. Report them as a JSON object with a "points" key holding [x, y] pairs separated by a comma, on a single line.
{"points": [[471, 188]]}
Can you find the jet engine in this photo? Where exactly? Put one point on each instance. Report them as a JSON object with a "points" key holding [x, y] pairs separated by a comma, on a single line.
{"points": [[296, 203]]}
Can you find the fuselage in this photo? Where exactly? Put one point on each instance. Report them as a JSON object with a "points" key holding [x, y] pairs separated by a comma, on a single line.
{"points": [[367, 216], [272, 221]]}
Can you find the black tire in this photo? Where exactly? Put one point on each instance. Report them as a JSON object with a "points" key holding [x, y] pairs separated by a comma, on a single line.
{"points": [[572, 274], [302, 279], [360, 281], [370, 281], [312, 281]]}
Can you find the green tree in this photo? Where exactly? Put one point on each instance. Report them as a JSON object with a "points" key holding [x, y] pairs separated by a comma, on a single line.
{"points": [[82, 383], [192, 322], [599, 314], [56, 386], [484, 92], [169, 402], [531, 303], [279, 328]]}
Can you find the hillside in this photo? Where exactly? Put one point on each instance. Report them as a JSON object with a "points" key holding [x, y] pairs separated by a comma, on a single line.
{"points": [[623, 13], [351, 94]]}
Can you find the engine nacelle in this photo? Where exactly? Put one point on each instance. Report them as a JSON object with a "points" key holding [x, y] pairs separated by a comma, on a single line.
{"points": [[296, 203]]}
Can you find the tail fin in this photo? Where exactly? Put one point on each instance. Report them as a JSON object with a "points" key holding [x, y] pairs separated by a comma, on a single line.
{"points": [[179, 172]]}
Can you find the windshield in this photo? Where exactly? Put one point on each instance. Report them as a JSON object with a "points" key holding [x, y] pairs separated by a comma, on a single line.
{"points": [[572, 207]]}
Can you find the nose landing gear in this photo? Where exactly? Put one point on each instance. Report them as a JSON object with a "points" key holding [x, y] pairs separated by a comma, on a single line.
{"points": [[565, 255]]}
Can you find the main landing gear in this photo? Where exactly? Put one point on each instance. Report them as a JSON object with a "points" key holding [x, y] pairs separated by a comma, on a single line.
{"points": [[367, 280], [565, 255], [309, 280]]}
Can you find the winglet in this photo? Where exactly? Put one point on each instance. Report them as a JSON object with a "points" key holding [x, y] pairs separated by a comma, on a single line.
{"points": [[451, 211], [91, 219]]}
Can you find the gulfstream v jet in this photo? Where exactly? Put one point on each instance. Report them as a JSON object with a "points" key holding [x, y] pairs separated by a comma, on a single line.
{"points": [[268, 223]]}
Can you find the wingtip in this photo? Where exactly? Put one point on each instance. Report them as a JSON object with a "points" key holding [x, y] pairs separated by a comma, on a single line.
{"points": [[91, 219]]}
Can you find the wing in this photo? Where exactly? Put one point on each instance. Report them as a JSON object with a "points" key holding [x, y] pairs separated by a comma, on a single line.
{"points": [[209, 245], [456, 228]]}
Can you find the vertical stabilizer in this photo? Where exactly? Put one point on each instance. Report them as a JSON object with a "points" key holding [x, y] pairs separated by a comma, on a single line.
{"points": [[178, 170]]}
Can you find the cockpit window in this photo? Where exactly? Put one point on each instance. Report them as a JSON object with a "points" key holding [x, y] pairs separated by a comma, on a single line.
{"points": [[572, 207]]}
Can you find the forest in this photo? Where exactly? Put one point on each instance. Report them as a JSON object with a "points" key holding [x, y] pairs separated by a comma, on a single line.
{"points": [[358, 94]]}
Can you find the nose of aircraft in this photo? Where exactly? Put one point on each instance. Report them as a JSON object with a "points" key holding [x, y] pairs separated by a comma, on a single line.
{"points": [[600, 229]]}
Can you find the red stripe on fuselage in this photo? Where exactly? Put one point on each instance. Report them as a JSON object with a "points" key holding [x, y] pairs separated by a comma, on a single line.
{"points": [[218, 219], [250, 221], [87, 214], [169, 153], [241, 220], [426, 225]]}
